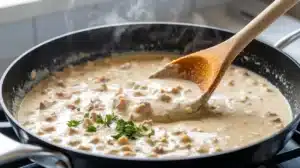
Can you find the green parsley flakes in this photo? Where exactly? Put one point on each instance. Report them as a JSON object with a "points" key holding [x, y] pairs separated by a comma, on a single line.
{"points": [[73, 123], [99, 119], [91, 128], [86, 115], [131, 130], [109, 118]]}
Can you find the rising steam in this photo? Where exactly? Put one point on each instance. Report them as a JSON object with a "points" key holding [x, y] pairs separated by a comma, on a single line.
{"points": [[121, 11]]}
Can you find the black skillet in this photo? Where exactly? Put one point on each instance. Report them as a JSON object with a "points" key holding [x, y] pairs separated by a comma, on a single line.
{"points": [[100, 42]]}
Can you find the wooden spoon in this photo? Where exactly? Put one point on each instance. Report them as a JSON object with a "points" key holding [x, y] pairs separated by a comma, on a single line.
{"points": [[208, 66]]}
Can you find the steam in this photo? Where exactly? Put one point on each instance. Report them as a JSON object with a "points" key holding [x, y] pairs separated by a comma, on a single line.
{"points": [[67, 18], [121, 11], [125, 11], [107, 12]]}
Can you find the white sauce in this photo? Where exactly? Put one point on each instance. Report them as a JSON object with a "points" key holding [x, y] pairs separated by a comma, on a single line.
{"points": [[244, 109]]}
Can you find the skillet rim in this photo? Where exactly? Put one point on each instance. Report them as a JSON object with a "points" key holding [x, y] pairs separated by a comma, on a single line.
{"points": [[67, 150]]}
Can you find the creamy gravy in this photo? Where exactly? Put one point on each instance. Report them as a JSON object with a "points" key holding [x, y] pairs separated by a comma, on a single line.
{"points": [[71, 108]]}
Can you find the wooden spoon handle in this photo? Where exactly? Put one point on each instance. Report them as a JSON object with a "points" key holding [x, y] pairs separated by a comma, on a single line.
{"points": [[241, 39]]}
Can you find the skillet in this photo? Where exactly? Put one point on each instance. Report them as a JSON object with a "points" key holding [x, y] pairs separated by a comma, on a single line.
{"points": [[100, 42]]}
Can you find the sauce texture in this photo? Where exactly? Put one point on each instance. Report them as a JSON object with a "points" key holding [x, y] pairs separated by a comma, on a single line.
{"points": [[110, 106]]}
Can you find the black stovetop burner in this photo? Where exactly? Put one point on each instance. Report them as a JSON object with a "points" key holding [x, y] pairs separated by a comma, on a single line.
{"points": [[8, 131]]}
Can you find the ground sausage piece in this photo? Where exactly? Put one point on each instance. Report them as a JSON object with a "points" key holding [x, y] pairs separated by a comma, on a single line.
{"points": [[162, 90], [122, 104], [40, 132], [48, 128], [185, 138], [74, 142], [159, 149], [87, 122], [269, 90], [165, 98], [138, 94], [95, 140], [102, 79], [99, 106], [85, 147], [271, 114], [277, 120], [42, 106], [63, 95], [50, 118], [94, 116], [126, 148], [176, 90], [123, 140], [71, 106], [73, 131], [46, 104], [143, 108]]}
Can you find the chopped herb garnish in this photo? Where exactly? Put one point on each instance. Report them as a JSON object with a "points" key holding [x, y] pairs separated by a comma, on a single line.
{"points": [[73, 123], [109, 118], [91, 128], [146, 131], [77, 101], [117, 136], [131, 130], [99, 119], [86, 115], [123, 128]]}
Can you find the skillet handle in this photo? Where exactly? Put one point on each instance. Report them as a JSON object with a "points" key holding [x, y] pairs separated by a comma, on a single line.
{"points": [[288, 39], [13, 150]]}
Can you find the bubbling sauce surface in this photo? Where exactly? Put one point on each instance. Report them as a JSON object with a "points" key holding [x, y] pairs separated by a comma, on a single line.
{"points": [[110, 106]]}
